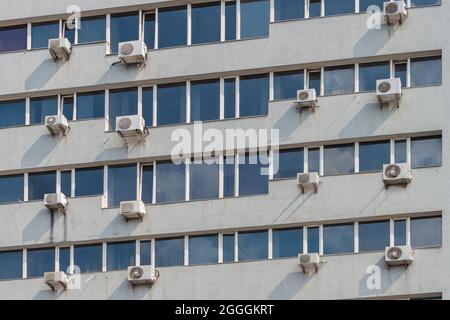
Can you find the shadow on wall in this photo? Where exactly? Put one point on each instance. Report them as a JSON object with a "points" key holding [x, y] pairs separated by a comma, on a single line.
{"points": [[290, 121], [127, 291], [289, 287], [118, 224], [41, 75], [38, 227], [373, 40], [42, 148], [292, 207]]}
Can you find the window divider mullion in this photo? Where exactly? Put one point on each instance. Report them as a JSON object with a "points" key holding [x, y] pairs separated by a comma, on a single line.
{"points": [[408, 231], [221, 176], [222, 99], [321, 240], [186, 250], [137, 261], [75, 106], [305, 239], [24, 263], [272, 10], [72, 183], [156, 28], [220, 248], [189, 24], [238, 19], [187, 179], [155, 105], [356, 237], [236, 245], [270, 244], [356, 157], [392, 151], [222, 20], [104, 257], [188, 101], [154, 183], [305, 160], [271, 86], [391, 232]]}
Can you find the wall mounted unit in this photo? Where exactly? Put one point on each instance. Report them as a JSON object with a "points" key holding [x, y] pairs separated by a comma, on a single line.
{"points": [[398, 255], [309, 262], [395, 11], [55, 202], [56, 279], [59, 48], [309, 180], [307, 99], [57, 124], [397, 173], [133, 52], [142, 275], [133, 209], [131, 126], [389, 91]]}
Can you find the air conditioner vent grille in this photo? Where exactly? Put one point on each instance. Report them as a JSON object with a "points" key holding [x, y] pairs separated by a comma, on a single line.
{"points": [[384, 87], [305, 258], [125, 123], [304, 95], [303, 178], [394, 253], [393, 171], [392, 8], [136, 273], [127, 49]]}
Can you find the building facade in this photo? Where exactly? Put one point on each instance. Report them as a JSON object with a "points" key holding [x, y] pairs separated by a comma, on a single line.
{"points": [[224, 230]]}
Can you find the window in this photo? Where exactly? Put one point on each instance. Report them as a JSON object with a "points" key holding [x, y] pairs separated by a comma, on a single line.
{"points": [[64, 260], [373, 155], [251, 181], [339, 80], [426, 151], [204, 179], [42, 32], [171, 103], [69, 31], [229, 169], [338, 238], [170, 182], [11, 188], [41, 183], [374, 235], [92, 29], [254, 18], [418, 3], [147, 184], [365, 4], [426, 232], [11, 264], [172, 27], [169, 252], [335, 7], [313, 235], [40, 261], [313, 159], [146, 253], [122, 102], [230, 98], [315, 8], [287, 242], [230, 20], [287, 83], [205, 22], [66, 183], [400, 70], [124, 27], [121, 184], [88, 258], [400, 232], [426, 71], [12, 113], [400, 151], [203, 249], [13, 38], [290, 162], [149, 29], [314, 81], [254, 95], [88, 181], [205, 100], [91, 105], [147, 106], [42, 107], [120, 255], [253, 245], [67, 107], [289, 9], [339, 159], [228, 247], [369, 73]]}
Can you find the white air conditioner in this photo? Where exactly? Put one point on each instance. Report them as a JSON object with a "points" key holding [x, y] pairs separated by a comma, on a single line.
{"points": [[56, 279], [398, 255], [59, 48], [397, 173], [131, 126], [55, 201], [309, 262], [306, 99], [389, 91], [142, 275], [133, 209], [132, 52], [395, 11], [57, 124], [308, 180]]}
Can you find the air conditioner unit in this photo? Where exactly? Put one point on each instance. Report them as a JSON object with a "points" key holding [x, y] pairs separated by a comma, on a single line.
{"points": [[131, 126], [142, 275], [398, 255], [309, 262], [59, 48], [132, 52], [306, 99], [397, 173], [56, 279], [395, 11], [133, 209], [57, 124], [389, 91], [55, 201], [308, 180]]}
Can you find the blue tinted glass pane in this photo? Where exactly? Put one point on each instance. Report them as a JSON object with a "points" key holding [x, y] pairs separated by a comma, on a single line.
{"points": [[203, 249], [373, 235], [13, 38], [315, 8], [149, 30], [41, 183], [314, 160], [333, 7], [230, 20], [169, 252], [418, 3], [314, 81], [228, 176], [365, 4], [40, 261], [68, 108], [147, 106], [339, 159], [254, 95], [372, 155], [251, 181], [171, 103], [69, 32], [254, 18], [11, 265], [172, 27], [205, 22], [120, 255], [369, 73], [426, 152], [426, 232], [205, 100], [286, 84], [228, 247], [339, 80], [400, 232], [290, 162], [42, 107], [92, 29], [122, 102], [170, 184], [64, 259], [253, 245], [289, 9], [12, 113], [204, 180], [400, 72], [121, 184], [338, 239], [41, 32], [146, 253], [88, 181], [426, 71], [313, 240], [400, 151], [90, 105], [11, 188], [124, 27], [88, 258], [287, 242], [147, 184], [66, 183], [230, 98]]}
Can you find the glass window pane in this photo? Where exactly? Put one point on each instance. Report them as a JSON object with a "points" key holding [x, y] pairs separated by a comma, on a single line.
{"points": [[418, 3], [171, 103], [42, 107], [426, 71], [369, 73], [69, 31], [334, 7], [11, 264], [88, 258], [204, 180], [339, 80], [230, 20], [315, 8], [147, 184], [12, 113], [228, 247], [146, 253], [289, 9], [121, 184], [40, 261], [169, 252], [426, 151], [203, 249], [92, 29], [314, 160], [13, 38], [41, 32], [426, 232], [253, 245], [91, 105], [287, 242], [254, 18], [251, 181], [373, 155], [365, 4], [205, 22], [254, 95], [374, 235], [147, 106], [170, 184], [286, 84], [314, 81], [149, 30], [41, 183], [122, 102], [66, 183], [400, 72], [67, 106], [120, 255], [313, 240], [400, 232], [205, 100], [339, 159], [338, 239], [400, 151], [290, 162], [172, 27], [88, 181], [124, 27], [11, 188], [64, 260], [229, 169], [230, 98]]}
